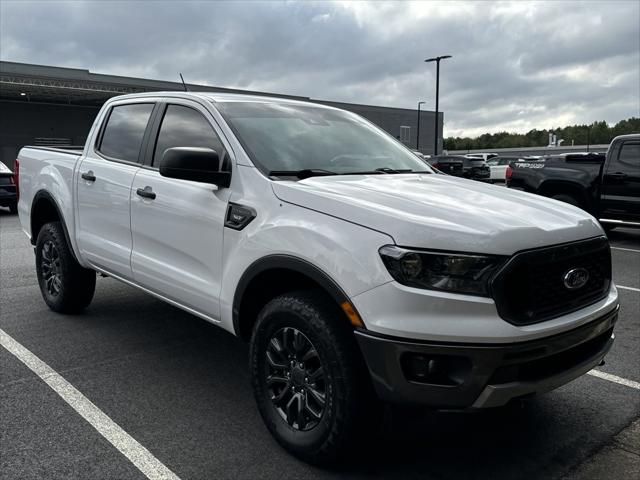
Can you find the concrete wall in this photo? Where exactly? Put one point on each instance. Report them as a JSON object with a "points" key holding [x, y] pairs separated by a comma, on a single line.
{"points": [[22, 122], [391, 119]]}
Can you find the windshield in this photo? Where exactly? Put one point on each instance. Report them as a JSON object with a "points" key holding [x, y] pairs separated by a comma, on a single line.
{"points": [[286, 137]]}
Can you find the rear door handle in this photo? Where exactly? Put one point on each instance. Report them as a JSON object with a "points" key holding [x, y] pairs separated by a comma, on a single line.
{"points": [[618, 175], [89, 176], [146, 192]]}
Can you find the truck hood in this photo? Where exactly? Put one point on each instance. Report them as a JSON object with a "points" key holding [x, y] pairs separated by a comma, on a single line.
{"points": [[443, 212]]}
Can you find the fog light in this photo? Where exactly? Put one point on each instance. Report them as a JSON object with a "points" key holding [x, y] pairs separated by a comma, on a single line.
{"points": [[422, 367], [441, 370]]}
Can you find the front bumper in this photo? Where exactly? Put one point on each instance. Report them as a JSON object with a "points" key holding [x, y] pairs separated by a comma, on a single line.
{"points": [[463, 376]]}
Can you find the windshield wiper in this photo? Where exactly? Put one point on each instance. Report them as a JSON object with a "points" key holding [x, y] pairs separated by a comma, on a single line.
{"points": [[319, 172], [302, 174], [389, 170], [393, 170]]}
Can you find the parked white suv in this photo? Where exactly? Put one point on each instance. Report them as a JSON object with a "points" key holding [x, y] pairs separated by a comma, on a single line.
{"points": [[357, 273]]}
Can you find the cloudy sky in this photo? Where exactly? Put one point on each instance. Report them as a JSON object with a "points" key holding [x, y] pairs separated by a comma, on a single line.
{"points": [[515, 66]]}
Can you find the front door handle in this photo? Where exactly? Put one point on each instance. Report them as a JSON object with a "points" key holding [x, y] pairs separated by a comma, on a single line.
{"points": [[146, 192], [89, 176]]}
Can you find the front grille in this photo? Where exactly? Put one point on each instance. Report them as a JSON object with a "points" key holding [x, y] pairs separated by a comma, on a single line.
{"points": [[531, 287]]}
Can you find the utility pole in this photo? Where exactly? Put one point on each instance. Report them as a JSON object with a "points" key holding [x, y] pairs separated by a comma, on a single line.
{"points": [[418, 128], [437, 60]]}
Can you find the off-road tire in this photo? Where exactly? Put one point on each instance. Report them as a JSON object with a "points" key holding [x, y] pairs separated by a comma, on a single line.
{"points": [[72, 289], [351, 412]]}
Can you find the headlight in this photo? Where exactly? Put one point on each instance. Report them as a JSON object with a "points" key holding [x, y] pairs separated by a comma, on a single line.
{"points": [[451, 272]]}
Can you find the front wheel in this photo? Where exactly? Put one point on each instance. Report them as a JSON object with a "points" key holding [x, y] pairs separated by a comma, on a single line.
{"points": [[309, 378], [65, 285]]}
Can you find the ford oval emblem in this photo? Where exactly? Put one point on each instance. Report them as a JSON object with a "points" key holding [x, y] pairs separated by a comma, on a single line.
{"points": [[576, 278]]}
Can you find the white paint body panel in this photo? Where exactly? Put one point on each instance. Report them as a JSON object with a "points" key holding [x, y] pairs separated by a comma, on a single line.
{"points": [[401, 311], [443, 212], [104, 217], [178, 249], [177, 240], [42, 170]]}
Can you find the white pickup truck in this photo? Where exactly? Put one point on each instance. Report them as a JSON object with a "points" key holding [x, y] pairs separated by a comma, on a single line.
{"points": [[357, 273]]}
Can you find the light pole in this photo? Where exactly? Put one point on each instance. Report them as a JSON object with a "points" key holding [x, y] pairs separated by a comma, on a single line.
{"points": [[418, 128], [437, 60]]}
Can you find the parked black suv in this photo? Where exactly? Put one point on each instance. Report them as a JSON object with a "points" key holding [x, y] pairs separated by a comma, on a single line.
{"points": [[607, 186]]}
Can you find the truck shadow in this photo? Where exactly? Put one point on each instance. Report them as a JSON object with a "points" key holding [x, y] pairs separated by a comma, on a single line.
{"points": [[181, 386]]}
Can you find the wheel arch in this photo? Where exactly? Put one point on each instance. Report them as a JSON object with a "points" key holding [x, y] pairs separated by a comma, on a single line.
{"points": [[258, 285], [45, 209], [574, 189]]}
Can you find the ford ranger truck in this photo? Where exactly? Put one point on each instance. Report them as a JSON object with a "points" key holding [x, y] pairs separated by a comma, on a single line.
{"points": [[357, 273]]}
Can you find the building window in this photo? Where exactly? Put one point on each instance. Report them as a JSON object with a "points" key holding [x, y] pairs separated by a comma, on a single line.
{"points": [[405, 134]]}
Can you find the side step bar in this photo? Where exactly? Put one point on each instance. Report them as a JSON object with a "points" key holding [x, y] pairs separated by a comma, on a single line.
{"points": [[620, 222]]}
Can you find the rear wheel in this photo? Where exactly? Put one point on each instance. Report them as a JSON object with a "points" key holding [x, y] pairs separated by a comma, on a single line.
{"points": [[571, 200], [65, 285], [309, 379]]}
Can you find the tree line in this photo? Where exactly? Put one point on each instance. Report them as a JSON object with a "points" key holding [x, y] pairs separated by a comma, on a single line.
{"points": [[595, 133]]}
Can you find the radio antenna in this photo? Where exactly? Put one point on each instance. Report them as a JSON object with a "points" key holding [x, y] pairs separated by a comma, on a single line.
{"points": [[183, 84]]}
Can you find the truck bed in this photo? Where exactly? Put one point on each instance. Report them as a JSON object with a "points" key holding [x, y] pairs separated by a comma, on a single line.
{"points": [[47, 169]]}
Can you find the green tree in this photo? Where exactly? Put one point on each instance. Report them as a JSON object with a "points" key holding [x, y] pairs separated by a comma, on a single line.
{"points": [[596, 133]]}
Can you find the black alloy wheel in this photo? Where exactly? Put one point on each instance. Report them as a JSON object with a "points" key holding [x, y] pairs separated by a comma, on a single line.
{"points": [[51, 268], [295, 379]]}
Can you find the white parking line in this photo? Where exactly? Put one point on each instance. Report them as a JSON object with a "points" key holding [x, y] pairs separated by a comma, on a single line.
{"points": [[633, 289], [625, 249], [615, 379], [149, 465]]}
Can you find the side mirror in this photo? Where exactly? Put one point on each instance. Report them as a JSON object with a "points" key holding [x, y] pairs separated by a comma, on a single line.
{"points": [[195, 164]]}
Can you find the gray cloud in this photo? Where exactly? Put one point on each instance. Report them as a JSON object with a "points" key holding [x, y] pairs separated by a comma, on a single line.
{"points": [[516, 66]]}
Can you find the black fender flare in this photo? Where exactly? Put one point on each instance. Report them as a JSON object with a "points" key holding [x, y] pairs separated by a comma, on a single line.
{"points": [[45, 195], [287, 262], [584, 193]]}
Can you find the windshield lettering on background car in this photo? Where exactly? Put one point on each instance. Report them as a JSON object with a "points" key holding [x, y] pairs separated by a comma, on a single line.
{"points": [[290, 139]]}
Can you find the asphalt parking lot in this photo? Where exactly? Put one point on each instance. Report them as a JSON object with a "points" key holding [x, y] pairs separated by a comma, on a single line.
{"points": [[180, 387]]}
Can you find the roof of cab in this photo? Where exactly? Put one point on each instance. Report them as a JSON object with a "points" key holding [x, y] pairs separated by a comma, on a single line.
{"points": [[220, 97]]}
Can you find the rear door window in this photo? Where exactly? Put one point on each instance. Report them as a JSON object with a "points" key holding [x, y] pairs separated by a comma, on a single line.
{"points": [[629, 158], [124, 131]]}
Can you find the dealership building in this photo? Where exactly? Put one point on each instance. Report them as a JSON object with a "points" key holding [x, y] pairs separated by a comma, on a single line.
{"points": [[44, 105]]}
